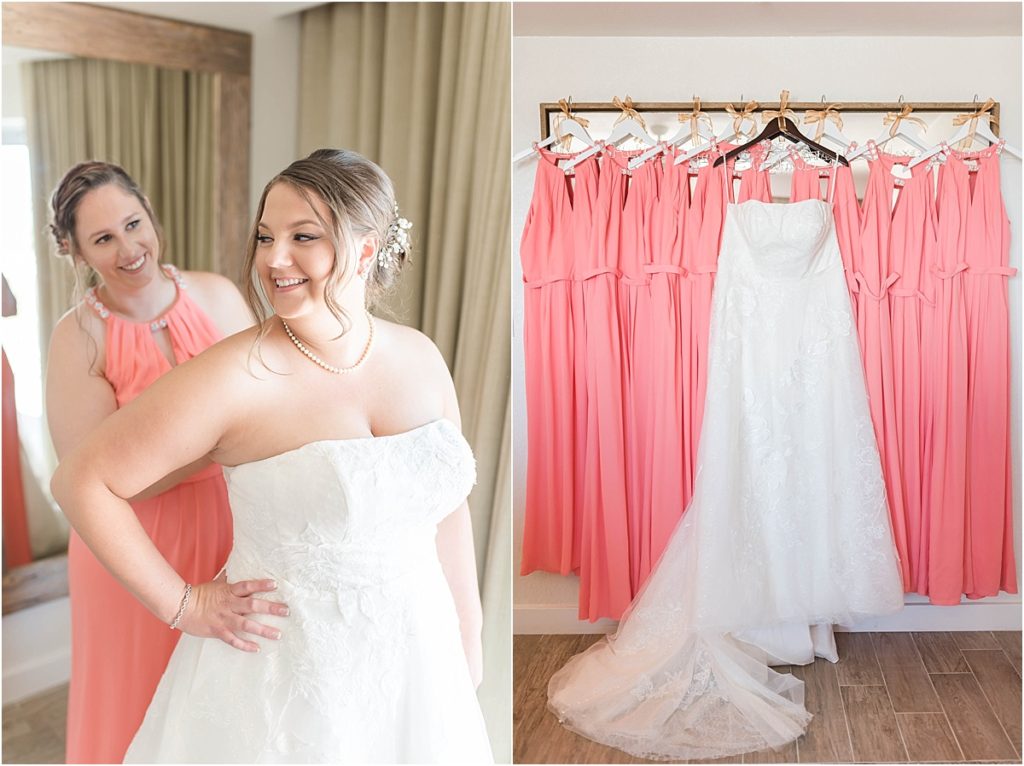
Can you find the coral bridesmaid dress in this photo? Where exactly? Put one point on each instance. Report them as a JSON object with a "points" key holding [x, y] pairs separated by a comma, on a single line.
{"points": [[639, 326], [604, 550], [548, 251], [119, 649], [911, 246], [668, 483], [875, 277], [971, 541]]}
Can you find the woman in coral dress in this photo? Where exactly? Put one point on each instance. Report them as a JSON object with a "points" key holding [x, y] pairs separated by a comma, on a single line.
{"points": [[143, 318]]}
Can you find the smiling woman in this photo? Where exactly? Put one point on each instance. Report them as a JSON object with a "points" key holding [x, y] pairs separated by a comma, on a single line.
{"points": [[351, 511], [130, 328]]}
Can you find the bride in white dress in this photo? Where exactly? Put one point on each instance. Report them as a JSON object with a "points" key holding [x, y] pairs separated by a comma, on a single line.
{"points": [[346, 625], [788, 530]]}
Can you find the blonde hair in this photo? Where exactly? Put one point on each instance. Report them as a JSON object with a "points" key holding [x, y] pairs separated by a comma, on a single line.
{"points": [[361, 200]]}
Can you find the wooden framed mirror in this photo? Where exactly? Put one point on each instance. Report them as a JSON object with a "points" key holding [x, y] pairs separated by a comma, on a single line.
{"points": [[37, 584]]}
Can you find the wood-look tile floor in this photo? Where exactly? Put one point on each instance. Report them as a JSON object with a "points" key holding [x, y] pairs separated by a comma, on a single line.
{"points": [[891, 698], [34, 728]]}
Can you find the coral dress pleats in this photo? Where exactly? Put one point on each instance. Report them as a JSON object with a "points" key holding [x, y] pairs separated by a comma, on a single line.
{"points": [[971, 541], [668, 480], [119, 649], [638, 330], [875, 277], [911, 245], [605, 588]]}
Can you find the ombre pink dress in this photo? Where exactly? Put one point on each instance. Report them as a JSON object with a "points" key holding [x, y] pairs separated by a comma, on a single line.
{"points": [[118, 648], [555, 388], [875, 277], [971, 542]]}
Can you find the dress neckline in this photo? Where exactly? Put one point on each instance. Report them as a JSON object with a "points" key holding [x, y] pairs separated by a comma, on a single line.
{"points": [[159, 322], [348, 441]]}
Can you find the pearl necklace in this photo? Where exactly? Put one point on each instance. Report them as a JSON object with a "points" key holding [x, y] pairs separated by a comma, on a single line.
{"points": [[329, 367]]}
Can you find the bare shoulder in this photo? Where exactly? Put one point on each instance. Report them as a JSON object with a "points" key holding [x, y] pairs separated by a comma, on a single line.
{"points": [[412, 352], [209, 282], [416, 372], [77, 331], [220, 298]]}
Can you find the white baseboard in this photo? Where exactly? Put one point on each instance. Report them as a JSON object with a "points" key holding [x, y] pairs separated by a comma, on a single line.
{"points": [[999, 613], [36, 649]]}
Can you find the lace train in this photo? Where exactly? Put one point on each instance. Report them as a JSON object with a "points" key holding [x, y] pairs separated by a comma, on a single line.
{"points": [[788, 529]]}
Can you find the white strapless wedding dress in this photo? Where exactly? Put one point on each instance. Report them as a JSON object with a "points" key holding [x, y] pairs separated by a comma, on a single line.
{"points": [[370, 667], [788, 531]]}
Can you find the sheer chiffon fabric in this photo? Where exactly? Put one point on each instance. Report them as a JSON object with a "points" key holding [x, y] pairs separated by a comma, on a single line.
{"points": [[788, 527]]}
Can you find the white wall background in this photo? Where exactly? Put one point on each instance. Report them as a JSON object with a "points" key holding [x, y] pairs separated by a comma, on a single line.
{"points": [[658, 68]]}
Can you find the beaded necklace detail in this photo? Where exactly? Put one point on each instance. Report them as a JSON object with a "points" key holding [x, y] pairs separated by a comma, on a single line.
{"points": [[157, 324], [320, 362]]}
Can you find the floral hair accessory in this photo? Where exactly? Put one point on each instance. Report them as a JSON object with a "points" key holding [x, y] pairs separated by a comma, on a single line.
{"points": [[396, 241]]}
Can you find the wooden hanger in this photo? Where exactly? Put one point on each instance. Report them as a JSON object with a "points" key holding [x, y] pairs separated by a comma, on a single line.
{"points": [[780, 125]]}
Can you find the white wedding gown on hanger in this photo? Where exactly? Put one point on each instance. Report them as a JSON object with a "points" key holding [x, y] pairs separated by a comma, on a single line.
{"points": [[787, 533], [370, 666]]}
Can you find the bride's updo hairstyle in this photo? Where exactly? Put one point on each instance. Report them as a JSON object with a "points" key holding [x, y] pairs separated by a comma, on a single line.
{"points": [[361, 201]]}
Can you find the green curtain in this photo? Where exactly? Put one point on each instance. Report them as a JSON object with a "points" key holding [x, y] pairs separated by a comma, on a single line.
{"points": [[156, 123], [423, 89]]}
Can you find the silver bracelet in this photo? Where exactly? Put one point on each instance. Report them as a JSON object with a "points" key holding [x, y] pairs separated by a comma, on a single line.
{"points": [[181, 609]]}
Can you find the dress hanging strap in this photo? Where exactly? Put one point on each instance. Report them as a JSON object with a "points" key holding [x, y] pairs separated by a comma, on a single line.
{"points": [[727, 178], [832, 179]]}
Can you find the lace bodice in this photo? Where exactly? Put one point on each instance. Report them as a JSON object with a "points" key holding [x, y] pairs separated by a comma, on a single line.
{"points": [[788, 239], [349, 512], [369, 667]]}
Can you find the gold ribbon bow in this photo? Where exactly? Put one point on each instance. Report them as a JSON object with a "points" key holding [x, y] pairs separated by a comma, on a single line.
{"points": [[567, 114], [782, 111], [830, 112], [628, 111], [895, 118], [738, 117], [694, 119], [985, 110]]}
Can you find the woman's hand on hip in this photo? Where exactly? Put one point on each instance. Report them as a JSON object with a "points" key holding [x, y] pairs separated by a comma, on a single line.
{"points": [[221, 610]]}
